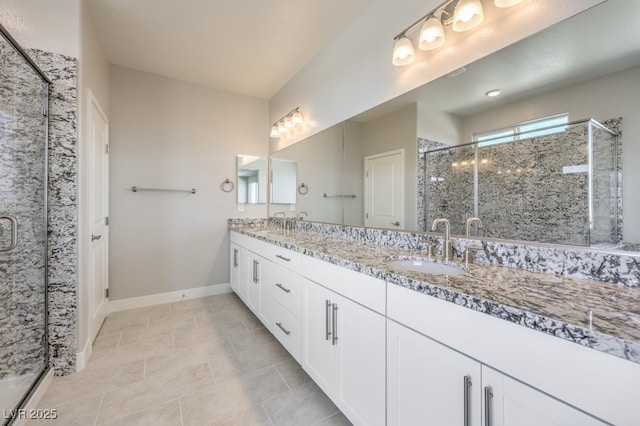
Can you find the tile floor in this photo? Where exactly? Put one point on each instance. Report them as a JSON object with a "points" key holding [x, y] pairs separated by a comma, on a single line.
{"points": [[206, 361]]}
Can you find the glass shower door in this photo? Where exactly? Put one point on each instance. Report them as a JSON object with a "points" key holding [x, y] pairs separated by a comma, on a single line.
{"points": [[23, 249]]}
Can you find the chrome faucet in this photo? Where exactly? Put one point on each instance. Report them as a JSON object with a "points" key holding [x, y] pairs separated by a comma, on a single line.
{"points": [[446, 249], [299, 216], [283, 216], [471, 221]]}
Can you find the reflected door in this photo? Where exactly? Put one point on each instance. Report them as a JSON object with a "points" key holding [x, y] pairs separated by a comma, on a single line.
{"points": [[384, 190]]}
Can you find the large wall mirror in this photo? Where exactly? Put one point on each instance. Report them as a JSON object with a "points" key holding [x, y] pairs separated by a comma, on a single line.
{"points": [[393, 166], [252, 179]]}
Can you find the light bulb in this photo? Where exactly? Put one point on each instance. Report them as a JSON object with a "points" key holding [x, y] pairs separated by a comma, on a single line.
{"points": [[506, 3], [403, 52], [431, 34], [296, 118], [288, 124], [467, 15], [274, 132], [281, 128]]}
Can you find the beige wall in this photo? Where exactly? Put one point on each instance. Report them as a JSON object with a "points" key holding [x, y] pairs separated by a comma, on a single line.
{"points": [[171, 134], [354, 73], [612, 96], [397, 130]]}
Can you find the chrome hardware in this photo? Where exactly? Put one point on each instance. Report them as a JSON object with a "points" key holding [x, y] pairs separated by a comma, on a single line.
{"points": [[488, 395], [325, 195], [395, 223], [287, 332], [446, 249], [472, 220], [255, 271], [235, 258], [283, 288], [467, 385], [334, 325], [299, 215], [468, 253], [326, 316], [136, 189], [95, 237], [286, 259], [431, 250], [14, 233]]}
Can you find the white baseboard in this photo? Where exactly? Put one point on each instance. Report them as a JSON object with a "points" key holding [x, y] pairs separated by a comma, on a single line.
{"points": [[172, 296], [83, 357]]}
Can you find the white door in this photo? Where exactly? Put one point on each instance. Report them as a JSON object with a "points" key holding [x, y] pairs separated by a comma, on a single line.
{"points": [[426, 382], [98, 212], [384, 190], [360, 363], [508, 402]]}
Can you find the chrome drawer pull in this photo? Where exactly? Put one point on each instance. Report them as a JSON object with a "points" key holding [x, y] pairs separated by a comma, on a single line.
{"points": [[287, 332], [283, 258], [487, 405], [281, 287], [334, 325], [326, 313], [467, 385]]}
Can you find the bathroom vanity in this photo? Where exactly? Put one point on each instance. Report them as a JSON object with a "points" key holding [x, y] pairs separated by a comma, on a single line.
{"points": [[494, 346]]}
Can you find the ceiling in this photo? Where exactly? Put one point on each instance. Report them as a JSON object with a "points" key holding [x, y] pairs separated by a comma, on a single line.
{"points": [[250, 47], [597, 42]]}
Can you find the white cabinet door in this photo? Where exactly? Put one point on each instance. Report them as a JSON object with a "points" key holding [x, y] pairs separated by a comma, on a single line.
{"points": [[428, 383], [256, 264], [239, 271], [359, 389], [317, 338], [507, 402]]}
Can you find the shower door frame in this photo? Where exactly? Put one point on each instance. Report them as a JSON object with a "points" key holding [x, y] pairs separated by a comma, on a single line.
{"points": [[45, 111]]}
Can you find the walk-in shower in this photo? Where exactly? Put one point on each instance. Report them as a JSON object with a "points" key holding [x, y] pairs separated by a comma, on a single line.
{"points": [[24, 97], [554, 185]]}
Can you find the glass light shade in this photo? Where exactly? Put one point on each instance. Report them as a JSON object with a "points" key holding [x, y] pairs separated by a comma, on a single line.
{"points": [[431, 34], [281, 128], [296, 118], [403, 52], [506, 3], [468, 15], [274, 132], [288, 124]]}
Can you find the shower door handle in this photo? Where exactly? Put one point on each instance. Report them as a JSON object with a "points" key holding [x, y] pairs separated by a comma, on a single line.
{"points": [[14, 233]]}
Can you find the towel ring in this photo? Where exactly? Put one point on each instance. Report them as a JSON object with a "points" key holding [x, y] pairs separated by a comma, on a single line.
{"points": [[227, 185], [303, 189]]}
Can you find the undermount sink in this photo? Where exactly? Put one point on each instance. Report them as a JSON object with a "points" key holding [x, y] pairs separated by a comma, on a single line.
{"points": [[427, 266]]}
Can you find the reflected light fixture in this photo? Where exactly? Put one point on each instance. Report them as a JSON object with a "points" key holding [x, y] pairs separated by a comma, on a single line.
{"points": [[287, 123], [493, 93], [461, 15]]}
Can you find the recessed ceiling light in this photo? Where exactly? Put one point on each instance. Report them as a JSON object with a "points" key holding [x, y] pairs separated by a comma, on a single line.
{"points": [[492, 93]]}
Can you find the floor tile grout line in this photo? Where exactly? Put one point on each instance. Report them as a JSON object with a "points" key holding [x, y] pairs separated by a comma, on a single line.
{"points": [[181, 412], [281, 376], [326, 418], [267, 413], [213, 376], [99, 408]]}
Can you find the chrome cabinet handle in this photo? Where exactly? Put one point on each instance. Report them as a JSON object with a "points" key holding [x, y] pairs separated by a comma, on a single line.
{"points": [[487, 405], [283, 288], [95, 237], [287, 332], [235, 258], [326, 316], [257, 272], [467, 385], [334, 325], [254, 272], [395, 223], [14, 233], [283, 258]]}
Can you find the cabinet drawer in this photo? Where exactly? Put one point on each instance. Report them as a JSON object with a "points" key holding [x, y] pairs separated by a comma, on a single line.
{"points": [[285, 287], [284, 257], [286, 328]]}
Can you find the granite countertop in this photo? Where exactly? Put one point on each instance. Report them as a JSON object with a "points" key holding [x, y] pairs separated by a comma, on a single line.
{"points": [[599, 315]]}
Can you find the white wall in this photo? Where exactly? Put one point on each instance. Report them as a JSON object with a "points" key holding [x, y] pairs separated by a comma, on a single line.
{"points": [[354, 73], [612, 96], [395, 131], [53, 26], [171, 134], [93, 77], [439, 126]]}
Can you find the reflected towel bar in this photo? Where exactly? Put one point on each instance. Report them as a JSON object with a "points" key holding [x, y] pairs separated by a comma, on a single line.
{"points": [[343, 195], [136, 189]]}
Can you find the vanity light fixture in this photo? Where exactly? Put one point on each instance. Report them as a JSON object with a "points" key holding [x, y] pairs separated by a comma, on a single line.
{"points": [[287, 123], [461, 15]]}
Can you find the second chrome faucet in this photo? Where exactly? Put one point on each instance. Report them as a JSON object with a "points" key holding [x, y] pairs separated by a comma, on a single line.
{"points": [[446, 248]]}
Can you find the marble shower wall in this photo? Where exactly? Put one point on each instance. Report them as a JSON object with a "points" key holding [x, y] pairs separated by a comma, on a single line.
{"points": [[63, 208], [23, 94]]}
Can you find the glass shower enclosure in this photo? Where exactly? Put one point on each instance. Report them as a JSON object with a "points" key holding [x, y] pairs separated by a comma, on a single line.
{"points": [[559, 185], [24, 93]]}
